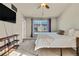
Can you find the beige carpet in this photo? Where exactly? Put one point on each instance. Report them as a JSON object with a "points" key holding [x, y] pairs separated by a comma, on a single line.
{"points": [[27, 48]]}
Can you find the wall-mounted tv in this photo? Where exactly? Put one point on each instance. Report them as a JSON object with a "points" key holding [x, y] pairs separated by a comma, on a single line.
{"points": [[6, 14]]}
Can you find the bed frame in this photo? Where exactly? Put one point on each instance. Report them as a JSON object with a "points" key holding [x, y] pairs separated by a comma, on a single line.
{"points": [[77, 47]]}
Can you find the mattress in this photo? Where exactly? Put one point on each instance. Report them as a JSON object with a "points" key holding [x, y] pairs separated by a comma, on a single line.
{"points": [[53, 40]]}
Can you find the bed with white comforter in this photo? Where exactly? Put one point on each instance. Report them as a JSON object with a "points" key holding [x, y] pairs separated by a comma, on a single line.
{"points": [[54, 40]]}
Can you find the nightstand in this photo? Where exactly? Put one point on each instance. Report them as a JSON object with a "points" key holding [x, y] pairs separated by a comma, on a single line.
{"points": [[77, 46]]}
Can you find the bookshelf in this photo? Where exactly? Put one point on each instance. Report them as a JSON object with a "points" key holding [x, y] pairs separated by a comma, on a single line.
{"points": [[10, 44]]}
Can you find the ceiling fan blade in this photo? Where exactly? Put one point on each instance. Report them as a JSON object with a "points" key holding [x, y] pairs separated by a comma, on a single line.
{"points": [[43, 6], [47, 6]]}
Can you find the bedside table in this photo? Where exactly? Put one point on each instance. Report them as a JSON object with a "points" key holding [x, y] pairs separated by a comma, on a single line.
{"points": [[77, 46]]}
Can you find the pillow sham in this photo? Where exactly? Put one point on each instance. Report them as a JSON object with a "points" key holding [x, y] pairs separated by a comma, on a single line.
{"points": [[71, 32], [60, 32]]}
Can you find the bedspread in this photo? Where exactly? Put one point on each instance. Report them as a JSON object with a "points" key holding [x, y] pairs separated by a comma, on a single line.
{"points": [[54, 40]]}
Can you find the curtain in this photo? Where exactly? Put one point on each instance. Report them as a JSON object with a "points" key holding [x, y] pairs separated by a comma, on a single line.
{"points": [[49, 24], [31, 27]]}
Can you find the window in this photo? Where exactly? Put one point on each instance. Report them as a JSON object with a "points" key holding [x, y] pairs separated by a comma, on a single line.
{"points": [[40, 25]]}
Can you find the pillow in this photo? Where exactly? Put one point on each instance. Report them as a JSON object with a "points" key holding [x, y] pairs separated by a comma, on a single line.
{"points": [[71, 32], [76, 33], [60, 32]]}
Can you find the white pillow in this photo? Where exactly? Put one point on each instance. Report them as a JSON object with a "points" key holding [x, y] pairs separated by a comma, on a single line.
{"points": [[71, 32], [77, 33]]}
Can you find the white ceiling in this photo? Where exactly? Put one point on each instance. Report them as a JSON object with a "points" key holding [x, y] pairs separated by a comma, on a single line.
{"points": [[32, 10]]}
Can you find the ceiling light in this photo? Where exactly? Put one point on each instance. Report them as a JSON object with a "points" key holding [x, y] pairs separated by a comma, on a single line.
{"points": [[44, 5]]}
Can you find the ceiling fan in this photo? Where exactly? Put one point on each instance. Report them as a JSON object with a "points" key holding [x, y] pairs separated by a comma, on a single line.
{"points": [[44, 5]]}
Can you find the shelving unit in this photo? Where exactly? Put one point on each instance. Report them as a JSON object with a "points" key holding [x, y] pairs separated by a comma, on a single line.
{"points": [[10, 44]]}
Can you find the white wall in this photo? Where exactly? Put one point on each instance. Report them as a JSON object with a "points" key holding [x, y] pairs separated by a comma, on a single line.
{"points": [[53, 24], [6, 27], [70, 18], [18, 25], [28, 27], [24, 28]]}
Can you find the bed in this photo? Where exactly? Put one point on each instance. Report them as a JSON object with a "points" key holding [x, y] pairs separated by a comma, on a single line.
{"points": [[54, 40]]}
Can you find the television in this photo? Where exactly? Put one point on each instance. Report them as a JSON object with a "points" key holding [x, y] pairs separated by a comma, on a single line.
{"points": [[6, 14]]}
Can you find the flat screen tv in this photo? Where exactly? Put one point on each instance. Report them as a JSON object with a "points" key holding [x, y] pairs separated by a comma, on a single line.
{"points": [[6, 14]]}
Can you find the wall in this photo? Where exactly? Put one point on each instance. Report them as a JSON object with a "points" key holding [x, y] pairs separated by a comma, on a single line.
{"points": [[24, 28], [28, 27], [53, 24], [18, 25], [70, 18], [12, 28]]}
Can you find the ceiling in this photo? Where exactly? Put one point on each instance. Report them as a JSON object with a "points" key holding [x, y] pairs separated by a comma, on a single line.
{"points": [[32, 10]]}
